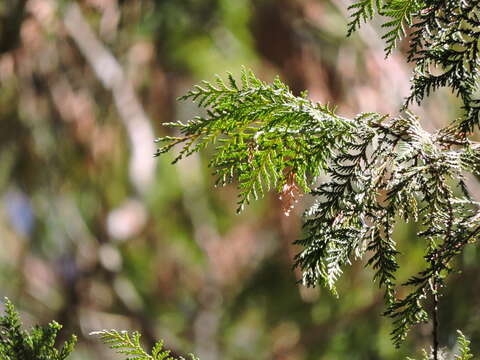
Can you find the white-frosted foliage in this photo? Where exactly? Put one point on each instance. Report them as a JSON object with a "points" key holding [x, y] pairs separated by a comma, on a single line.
{"points": [[381, 169]]}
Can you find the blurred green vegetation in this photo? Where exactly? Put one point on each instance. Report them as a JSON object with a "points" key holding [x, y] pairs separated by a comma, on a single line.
{"points": [[96, 234]]}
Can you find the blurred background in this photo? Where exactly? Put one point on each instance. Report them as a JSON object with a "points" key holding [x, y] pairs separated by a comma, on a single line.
{"points": [[96, 233]]}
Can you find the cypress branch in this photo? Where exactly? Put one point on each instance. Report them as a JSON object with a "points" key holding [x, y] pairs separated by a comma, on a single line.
{"points": [[379, 168]]}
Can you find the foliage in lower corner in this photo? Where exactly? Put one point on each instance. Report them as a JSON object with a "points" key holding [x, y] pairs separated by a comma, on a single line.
{"points": [[38, 344], [462, 352], [129, 345]]}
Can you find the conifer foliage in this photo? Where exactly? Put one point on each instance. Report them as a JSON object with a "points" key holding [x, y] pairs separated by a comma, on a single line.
{"points": [[463, 352], [129, 345], [266, 138], [444, 38], [38, 344], [380, 169]]}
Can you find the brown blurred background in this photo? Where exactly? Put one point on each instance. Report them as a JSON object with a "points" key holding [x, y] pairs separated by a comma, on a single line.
{"points": [[96, 233]]}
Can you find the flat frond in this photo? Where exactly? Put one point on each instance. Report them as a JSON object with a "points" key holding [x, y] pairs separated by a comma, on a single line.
{"points": [[129, 344], [265, 137], [361, 11], [401, 13], [38, 344]]}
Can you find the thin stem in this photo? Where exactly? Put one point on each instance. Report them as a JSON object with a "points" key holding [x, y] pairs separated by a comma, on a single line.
{"points": [[435, 318]]}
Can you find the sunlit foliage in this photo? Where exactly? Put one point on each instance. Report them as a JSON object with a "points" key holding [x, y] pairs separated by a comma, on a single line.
{"points": [[379, 169]]}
